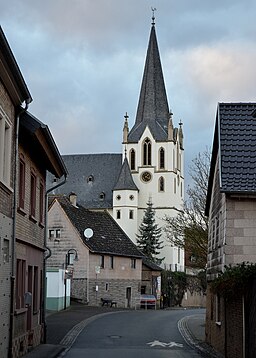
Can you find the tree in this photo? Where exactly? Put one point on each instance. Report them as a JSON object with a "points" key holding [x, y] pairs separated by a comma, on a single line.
{"points": [[189, 229], [148, 239]]}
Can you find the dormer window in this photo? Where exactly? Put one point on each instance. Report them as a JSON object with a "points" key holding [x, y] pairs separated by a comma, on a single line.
{"points": [[147, 152], [102, 195], [90, 179]]}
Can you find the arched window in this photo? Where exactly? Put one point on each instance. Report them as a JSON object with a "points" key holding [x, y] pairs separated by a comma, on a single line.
{"points": [[161, 158], [147, 152], [132, 159], [161, 184]]}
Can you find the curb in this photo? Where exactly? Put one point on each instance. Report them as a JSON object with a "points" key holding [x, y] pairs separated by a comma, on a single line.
{"points": [[201, 347]]}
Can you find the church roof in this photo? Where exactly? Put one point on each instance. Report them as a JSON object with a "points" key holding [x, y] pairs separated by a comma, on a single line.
{"points": [[125, 180], [91, 177], [153, 110], [108, 237]]}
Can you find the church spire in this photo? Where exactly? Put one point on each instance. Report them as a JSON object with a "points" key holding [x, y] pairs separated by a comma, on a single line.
{"points": [[153, 107]]}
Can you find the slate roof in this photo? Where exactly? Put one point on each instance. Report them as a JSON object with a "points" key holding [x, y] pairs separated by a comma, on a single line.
{"points": [[108, 237], [153, 110], [125, 180], [92, 177], [37, 138], [235, 141], [150, 264]]}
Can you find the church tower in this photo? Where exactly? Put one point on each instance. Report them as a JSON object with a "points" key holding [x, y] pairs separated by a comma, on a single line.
{"points": [[153, 151]]}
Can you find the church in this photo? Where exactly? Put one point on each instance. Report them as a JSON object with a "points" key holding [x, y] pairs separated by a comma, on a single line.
{"points": [[150, 167]]}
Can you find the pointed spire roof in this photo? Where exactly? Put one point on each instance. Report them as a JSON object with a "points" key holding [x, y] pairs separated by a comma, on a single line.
{"points": [[125, 180], [153, 109]]}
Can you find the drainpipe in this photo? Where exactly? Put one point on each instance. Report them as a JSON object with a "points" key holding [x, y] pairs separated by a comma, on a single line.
{"points": [[46, 256], [14, 220]]}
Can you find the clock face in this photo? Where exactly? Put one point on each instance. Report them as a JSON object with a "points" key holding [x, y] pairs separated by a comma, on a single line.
{"points": [[146, 176]]}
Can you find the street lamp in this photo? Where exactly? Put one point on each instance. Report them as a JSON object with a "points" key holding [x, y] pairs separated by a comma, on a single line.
{"points": [[69, 254]]}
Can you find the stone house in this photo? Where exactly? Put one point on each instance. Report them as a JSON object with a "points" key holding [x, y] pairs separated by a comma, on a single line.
{"points": [[109, 264], [231, 208]]}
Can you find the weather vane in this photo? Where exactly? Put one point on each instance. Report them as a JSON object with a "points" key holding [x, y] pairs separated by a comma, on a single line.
{"points": [[153, 15]]}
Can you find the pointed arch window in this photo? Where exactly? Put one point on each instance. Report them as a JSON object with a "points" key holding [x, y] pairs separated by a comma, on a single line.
{"points": [[132, 159], [161, 158], [147, 146], [161, 184]]}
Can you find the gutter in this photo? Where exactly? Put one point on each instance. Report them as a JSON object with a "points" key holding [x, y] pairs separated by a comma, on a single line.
{"points": [[46, 256], [14, 217]]}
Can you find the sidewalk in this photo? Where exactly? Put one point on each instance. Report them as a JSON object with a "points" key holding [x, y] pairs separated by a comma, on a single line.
{"points": [[63, 327]]}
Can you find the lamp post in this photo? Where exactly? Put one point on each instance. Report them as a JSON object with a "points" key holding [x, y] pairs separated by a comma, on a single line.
{"points": [[68, 262]]}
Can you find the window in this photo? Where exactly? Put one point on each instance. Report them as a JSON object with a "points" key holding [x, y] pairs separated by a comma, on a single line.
{"points": [[131, 197], [57, 233], [90, 179], [118, 214], [32, 195], [22, 184], [41, 203], [161, 184], [131, 214], [51, 234], [132, 159], [111, 262], [147, 152], [174, 186], [118, 197], [107, 286], [20, 283], [5, 149], [218, 310], [133, 263], [102, 261], [35, 290], [161, 159], [6, 250], [102, 195]]}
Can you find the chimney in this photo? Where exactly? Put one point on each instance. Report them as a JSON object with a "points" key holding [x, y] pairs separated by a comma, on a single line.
{"points": [[72, 198]]}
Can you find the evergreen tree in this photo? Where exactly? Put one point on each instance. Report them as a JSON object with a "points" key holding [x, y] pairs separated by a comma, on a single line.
{"points": [[149, 234]]}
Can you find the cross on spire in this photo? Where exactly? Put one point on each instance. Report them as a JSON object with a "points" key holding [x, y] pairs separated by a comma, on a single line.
{"points": [[153, 15]]}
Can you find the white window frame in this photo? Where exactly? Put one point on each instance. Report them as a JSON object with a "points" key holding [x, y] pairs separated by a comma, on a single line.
{"points": [[5, 148]]}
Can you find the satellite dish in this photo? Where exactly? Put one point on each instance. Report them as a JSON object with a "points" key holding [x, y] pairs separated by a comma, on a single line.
{"points": [[88, 233]]}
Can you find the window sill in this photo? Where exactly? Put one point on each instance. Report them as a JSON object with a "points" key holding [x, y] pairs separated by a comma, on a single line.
{"points": [[32, 218], [21, 211], [6, 187], [41, 224], [20, 311]]}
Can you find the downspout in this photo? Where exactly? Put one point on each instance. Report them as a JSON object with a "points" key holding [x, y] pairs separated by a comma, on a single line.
{"points": [[46, 256], [14, 217]]}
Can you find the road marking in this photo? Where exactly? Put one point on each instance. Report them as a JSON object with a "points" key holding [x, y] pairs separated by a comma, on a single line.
{"points": [[163, 344]]}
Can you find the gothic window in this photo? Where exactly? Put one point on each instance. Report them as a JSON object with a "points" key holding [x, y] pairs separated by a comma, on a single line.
{"points": [[161, 158], [147, 152], [118, 214], [132, 159], [161, 184]]}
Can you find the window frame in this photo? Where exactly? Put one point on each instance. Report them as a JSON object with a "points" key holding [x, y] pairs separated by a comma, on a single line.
{"points": [[133, 263], [6, 129], [161, 183], [20, 283], [41, 202], [32, 194], [147, 152], [132, 159], [22, 181], [161, 158]]}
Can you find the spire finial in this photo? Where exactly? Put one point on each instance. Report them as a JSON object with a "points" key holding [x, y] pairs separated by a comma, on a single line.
{"points": [[180, 124], [126, 116], [153, 15]]}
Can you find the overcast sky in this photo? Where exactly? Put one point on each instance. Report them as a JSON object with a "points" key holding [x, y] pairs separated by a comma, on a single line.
{"points": [[83, 62]]}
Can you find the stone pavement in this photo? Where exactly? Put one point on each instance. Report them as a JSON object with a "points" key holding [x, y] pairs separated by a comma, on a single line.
{"points": [[63, 327]]}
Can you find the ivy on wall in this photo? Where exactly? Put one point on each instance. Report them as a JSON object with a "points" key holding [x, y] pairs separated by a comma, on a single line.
{"points": [[234, 279]]}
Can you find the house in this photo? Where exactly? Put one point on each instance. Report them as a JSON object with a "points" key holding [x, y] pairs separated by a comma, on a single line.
{"points": [[27, 151], [13, 94], [151, 165], [151, 278], [231, 208], [108, 264]]}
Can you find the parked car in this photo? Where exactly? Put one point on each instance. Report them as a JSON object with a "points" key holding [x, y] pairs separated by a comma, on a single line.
{"points": [[147, 301]]}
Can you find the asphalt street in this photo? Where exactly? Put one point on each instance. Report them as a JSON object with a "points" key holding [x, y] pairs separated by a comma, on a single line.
{"points": [[151, 334]]}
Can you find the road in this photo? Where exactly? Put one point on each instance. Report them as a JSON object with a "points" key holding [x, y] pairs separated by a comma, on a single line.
{"points": [[134, 334]]}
